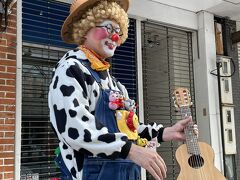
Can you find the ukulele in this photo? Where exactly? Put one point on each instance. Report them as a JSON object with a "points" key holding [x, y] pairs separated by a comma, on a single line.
{"points": [[196, 159]]}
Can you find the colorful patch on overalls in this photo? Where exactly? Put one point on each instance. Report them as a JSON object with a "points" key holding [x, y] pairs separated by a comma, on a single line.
{"points": [[127, 122], [125, 113]]}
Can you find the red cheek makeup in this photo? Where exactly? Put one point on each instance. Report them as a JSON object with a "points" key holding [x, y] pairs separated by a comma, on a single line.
{"points": [[100, 33]]}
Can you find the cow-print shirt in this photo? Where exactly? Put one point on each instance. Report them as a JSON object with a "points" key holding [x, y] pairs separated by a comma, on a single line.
{"points": [[73, 94]]}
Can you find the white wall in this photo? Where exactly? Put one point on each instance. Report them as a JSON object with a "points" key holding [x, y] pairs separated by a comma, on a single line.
{"points": [[207, 87], [146, 9], [191, 5], [229, 8]]}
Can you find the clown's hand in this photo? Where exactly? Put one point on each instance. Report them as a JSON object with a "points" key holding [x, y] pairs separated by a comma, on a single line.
{"points": [[195, 130], [176, 132], [149, 160]]}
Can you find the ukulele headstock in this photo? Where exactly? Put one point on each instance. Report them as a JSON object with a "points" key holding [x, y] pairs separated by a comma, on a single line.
{"points": [[182, 98]]}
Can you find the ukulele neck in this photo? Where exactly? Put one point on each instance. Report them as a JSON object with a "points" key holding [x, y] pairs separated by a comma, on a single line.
{"points": [[191, 138]]}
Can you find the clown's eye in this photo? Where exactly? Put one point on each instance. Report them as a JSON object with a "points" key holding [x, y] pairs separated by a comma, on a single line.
{"points": [[117, 30], [109, 28]]}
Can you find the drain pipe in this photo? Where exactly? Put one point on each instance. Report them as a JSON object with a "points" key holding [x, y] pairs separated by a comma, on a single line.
{"points": [[17, 174]]}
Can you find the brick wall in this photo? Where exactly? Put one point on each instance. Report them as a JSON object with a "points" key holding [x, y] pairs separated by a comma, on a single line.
{"points": [[7, 97]]}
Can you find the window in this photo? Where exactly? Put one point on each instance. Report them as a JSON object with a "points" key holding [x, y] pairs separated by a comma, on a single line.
{"points": [[42, 48], [226, 85]]}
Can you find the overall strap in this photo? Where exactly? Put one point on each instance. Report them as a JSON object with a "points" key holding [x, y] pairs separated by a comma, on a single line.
{"points": [[95, 75]]}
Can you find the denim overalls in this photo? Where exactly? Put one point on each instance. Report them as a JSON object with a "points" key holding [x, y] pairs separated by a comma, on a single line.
{"points": [[105, 169]]}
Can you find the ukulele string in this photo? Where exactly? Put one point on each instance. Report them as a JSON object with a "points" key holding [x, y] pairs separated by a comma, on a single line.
{"points": [[196, 150], [196, 161], [189, 129], [185, 114]]}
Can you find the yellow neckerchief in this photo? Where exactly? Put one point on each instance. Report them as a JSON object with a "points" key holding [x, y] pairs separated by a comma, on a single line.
{"points": [[95, 60]]}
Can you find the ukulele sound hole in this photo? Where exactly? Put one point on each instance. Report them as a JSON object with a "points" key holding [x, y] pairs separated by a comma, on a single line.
{"points": [[196, 161]]}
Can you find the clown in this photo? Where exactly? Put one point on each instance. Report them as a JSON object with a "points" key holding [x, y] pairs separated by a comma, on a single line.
{"points": [[92, 145]]}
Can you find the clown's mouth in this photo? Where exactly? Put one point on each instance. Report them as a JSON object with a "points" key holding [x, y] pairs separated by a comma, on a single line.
{"points": [[109, 45]]}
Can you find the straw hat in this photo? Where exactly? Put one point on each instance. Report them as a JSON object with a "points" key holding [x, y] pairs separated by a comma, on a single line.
{"points": [[77, 9]]}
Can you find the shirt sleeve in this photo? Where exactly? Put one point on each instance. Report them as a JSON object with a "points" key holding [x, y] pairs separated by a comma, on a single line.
{"points": [[71, 94], [150, 131]]}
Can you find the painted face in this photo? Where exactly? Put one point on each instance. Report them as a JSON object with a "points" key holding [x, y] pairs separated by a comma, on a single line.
{"points": [[104, 38]]}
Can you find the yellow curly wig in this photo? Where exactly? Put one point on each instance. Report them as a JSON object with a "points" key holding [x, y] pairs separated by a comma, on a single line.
{"points": [[94, 16]]}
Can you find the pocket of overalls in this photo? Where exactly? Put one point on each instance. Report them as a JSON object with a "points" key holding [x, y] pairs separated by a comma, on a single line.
{"points": [[93, 170]]}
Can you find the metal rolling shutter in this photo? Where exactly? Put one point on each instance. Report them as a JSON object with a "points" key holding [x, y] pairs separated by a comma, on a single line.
{"points": [[124, 62], [167, 64], [42, 48]]}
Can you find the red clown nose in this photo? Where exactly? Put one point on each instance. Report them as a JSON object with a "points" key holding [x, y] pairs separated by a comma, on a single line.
{"points": [[115, 37]]}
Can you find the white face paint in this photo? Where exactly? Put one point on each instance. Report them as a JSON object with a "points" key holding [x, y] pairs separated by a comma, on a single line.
{"points": [[108, 45], [102, 40]]}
